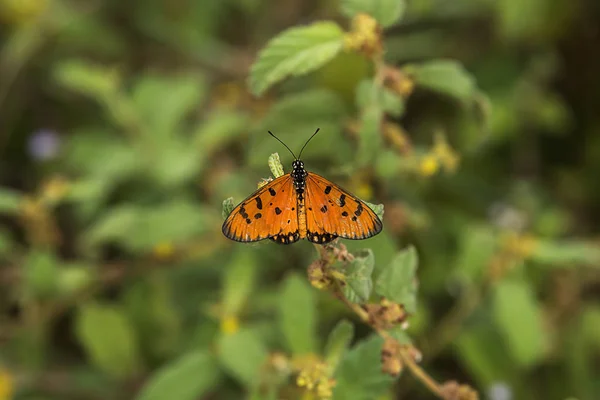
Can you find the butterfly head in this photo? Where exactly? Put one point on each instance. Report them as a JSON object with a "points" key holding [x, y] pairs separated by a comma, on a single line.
{"points": [[297, 165]]}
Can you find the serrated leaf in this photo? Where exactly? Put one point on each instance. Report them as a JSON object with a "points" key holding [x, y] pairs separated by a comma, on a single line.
{"points": [[187, 378], [108, 339], [295, 52], [297, 315], [444, 76], [242, 354], [337, 343], [519, 318], [10, 201], [240, 276], [358, 274], [386, 12], [397, 282], [359, 375], [371, 141], [228, 206]]}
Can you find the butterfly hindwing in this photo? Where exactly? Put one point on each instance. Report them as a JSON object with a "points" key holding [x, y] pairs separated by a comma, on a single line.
{"points": [[332, 212], [270, 212]]}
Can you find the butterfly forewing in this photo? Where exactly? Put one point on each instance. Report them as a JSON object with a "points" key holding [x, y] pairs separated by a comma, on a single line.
{"points": [[270, 212], [331, 211]]}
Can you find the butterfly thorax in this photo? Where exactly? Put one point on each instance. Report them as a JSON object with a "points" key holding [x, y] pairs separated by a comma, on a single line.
{"points": [[299, 175]]}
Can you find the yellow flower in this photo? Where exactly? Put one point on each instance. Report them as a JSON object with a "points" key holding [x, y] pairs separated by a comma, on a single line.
{"points": [[163, 250], [365, 36], [445, 154], [6, 385], [315, 376], [429, 165], [520, 245], [230, 324]]}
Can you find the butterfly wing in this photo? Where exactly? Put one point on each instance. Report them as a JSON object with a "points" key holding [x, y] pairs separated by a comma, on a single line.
{"points": [[331, 211], [270, 212]]}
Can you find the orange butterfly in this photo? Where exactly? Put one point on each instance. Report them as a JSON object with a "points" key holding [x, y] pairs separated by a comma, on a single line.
{"points": [[301, 205]]}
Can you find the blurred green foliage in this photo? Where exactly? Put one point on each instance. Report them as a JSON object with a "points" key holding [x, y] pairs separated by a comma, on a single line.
{"points": [[125, 125]]}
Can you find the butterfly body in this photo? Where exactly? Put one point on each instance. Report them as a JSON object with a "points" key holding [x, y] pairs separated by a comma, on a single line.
{"points": [[301, 205]]}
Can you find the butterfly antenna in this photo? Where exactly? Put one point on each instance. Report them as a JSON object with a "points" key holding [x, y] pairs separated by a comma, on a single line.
{"points": [[313, 135], [271, 133]]}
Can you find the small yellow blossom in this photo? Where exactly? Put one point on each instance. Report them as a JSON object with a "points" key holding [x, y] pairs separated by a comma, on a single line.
{"points": [[55, 189], [315, 377], [230, 324], [6, 385], [429, 165], [365, 36], [445, 154], [520, 245], [227, 95], [163, 250]]}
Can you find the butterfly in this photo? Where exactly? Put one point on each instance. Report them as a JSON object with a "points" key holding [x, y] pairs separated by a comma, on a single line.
{"points": [[301, 205]]}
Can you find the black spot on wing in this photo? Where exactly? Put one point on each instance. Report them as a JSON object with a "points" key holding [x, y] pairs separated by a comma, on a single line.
{"points": [[324, 209], [327, 189], [277, 210], [259, 203], [257, 216], [342, 200], [272, 191], [345, 214]]}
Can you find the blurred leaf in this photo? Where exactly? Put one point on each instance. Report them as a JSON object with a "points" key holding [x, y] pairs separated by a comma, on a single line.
{"points": [[386, 12], [187, 378], [10, 201], [297, 315], [73, 277], [41, 270], [400, 335], [359, 375], [368, 94], [93, 80], [477, 244], [294, 52], [371, 141], [176, 163], [397, 282], [141, 228], [337, 343], [294, 118], [566, 253], [219, 128], [151, 309], [162, 102], [6, 242], [108, 339], [519, 318], [590, 325], [482, 351], [242, 354], [240, 276], [444, 76], [358, 275]]}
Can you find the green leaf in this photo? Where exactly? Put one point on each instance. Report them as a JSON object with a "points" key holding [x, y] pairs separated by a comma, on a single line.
{"points": [[359, 375], [397, 282], [240, 278], [93, 80], [108, 339], [228, 206], [187, 378], [370, 94], [295, 52], [566, 253], [519, 318], [477, 244], [41, 270], [400, 335], [337, 343], [297, 315], [446, 77], [358, 275], [162, 103], [386, 12], [294, 118], [10, 201], [275, 165], [242, 354], [6, 242], [377, 209], [151, 309], [371, 141], [139, 228]]}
